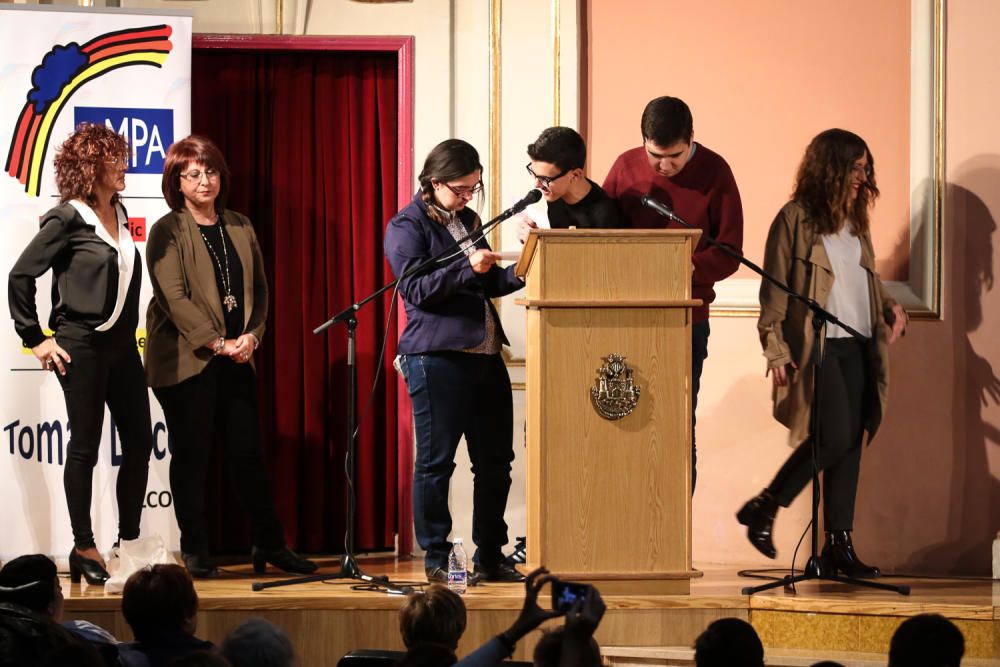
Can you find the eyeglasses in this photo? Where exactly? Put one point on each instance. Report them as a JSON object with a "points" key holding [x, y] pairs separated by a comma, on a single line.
{"points": [[863, 170], [117, 162], [465, 192], [194, 176], [545, 181]]}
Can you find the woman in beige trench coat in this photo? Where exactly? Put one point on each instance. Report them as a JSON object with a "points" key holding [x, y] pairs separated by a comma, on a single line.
{"points": [[819, 245]]}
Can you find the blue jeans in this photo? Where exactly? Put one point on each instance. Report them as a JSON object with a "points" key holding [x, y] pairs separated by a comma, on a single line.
{"points": [[699, 352], [455, 394]]}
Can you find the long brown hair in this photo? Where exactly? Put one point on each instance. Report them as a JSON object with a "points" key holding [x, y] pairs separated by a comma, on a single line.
{"points": [[450, 159], [82, 158], [823, 183]]}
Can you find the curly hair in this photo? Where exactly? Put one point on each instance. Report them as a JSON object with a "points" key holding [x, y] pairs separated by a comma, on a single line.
{"points": [[83, 157], [823, 183]]}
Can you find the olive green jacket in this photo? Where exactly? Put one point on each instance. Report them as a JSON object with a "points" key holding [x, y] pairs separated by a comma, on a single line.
{"points": [[185, 313], [795, 255]]}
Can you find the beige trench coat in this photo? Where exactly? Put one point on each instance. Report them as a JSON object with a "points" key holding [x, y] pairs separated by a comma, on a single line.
{"points": [[795, 254]]}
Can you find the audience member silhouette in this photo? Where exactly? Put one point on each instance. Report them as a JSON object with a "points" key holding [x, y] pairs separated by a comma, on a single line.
{"points": [[258, 643], [161, 606], [927, 640], [729, 642]]}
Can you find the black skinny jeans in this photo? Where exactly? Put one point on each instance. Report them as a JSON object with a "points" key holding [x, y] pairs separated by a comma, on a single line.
{"points": [[105, 370], [220, 403], [843, 396]]}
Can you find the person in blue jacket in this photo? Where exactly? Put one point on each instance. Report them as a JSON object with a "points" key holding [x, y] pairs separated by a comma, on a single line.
{"points": [[450, 358]]}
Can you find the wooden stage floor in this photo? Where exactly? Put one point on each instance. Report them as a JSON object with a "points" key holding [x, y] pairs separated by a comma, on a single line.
{"points": [[327, 619]]}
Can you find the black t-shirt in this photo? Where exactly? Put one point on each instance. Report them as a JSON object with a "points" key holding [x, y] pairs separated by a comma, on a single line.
{"points": [[595, 211], [214, 236]]}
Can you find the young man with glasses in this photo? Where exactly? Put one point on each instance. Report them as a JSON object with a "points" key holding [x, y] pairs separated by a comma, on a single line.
{"points": [[698, 185], [557, 160]]}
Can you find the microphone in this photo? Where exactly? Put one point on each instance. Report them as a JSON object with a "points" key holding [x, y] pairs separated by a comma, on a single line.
{"points": [[533, 196], [662, 209]]}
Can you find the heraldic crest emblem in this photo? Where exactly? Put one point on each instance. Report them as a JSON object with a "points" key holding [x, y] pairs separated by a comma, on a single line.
{"points": [[614, 394]]}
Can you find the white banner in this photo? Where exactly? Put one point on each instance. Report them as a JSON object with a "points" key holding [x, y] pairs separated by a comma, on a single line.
{"points": [[59, 67]]}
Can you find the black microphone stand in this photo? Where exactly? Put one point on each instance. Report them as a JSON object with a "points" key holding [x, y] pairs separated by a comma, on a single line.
{"points": [[820, 318], [349, 567]]}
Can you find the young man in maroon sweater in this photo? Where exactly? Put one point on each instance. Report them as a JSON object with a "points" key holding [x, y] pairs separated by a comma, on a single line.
{"points": [[699, 187]]}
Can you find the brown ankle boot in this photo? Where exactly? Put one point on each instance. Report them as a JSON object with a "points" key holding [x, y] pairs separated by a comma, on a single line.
{"points": [[758, 516]]}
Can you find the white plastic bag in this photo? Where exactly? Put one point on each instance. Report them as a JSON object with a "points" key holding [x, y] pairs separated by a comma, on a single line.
{"points": [[133, 555]]}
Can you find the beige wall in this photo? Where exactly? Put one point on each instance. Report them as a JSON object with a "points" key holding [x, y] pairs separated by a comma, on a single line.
{"points": [[930, 489], [930, 495]]}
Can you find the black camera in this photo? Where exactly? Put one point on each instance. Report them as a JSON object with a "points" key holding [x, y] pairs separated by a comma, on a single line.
{"points": [[566, 593]]}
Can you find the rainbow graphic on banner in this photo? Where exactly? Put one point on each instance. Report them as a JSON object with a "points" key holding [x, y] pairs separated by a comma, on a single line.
{"points": [[63, 70]]}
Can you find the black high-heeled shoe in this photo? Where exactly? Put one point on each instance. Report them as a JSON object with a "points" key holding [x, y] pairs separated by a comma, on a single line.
{"points": [[282, 558], [200, 565], [839, 554], [90, 569], [758, 516]]}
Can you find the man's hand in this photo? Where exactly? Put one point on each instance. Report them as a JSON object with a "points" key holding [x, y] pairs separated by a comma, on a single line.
{"points": [[51, 356], [897, 324], [524, 225]]}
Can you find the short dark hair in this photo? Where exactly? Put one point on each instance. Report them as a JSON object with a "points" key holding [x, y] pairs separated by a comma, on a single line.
{"points": [[188, 151], [729, 642], [926, 640], [548, 650], [561, 146], [258, 643], [158, 598], [666, 121], [428, 655], [436, 616], [37, 574]]}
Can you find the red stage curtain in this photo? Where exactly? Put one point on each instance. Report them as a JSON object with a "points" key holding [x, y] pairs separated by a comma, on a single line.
{"points": [[311, 140]]}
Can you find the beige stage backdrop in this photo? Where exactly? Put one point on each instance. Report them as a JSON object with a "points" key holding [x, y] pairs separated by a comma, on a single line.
{"points": [[60, 66]]}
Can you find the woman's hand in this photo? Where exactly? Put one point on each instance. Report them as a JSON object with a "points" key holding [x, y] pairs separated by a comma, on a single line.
{"points": [[782, 374], [242, 349], [897, 326], [483, 260], [51, 355]]}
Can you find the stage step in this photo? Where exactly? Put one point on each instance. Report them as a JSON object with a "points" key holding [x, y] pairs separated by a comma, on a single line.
{"points": [[654, 656]]}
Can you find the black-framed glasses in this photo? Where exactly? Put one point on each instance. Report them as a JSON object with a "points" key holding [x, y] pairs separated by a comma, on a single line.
{"points": [[194, 176], [545, 181], [463, 191]]}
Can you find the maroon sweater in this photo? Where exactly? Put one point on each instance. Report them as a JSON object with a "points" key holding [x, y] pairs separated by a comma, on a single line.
{"points": [[703, 193]]}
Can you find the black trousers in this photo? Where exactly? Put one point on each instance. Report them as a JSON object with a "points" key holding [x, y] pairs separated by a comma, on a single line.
{"points": [[105, 370], [218, 404], [843, 396]]}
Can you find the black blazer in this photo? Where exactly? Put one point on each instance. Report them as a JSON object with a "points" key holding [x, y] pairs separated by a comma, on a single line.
{"points": [[84, 284]]}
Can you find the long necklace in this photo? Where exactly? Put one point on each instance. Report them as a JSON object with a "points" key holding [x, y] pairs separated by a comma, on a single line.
{"points": [[229, 301]]}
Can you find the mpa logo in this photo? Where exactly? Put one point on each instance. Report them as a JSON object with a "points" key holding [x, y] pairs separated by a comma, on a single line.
{"points": [[64, 69], [149, 131]]}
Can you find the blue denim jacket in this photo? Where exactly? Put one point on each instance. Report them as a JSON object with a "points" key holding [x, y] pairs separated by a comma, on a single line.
{"points": [[444, 305]]}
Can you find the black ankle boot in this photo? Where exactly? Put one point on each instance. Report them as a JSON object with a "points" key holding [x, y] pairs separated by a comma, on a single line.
{"points": [[838, 554], [92, 571], [282, 558], [199, 565], [758, 516]]}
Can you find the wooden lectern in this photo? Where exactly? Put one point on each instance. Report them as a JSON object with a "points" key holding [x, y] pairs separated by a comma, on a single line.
{"points": [[609, 499]]}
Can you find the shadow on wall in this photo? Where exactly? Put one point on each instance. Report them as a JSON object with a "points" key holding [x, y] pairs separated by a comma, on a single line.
{"points": [[953, 496]]}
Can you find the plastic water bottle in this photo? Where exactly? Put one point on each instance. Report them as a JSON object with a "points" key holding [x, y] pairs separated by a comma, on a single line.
{"points": [[457, 572]]}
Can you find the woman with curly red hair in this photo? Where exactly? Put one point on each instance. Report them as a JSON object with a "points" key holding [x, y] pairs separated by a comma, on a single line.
{"points": [[819, 245], [96, 276]]}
